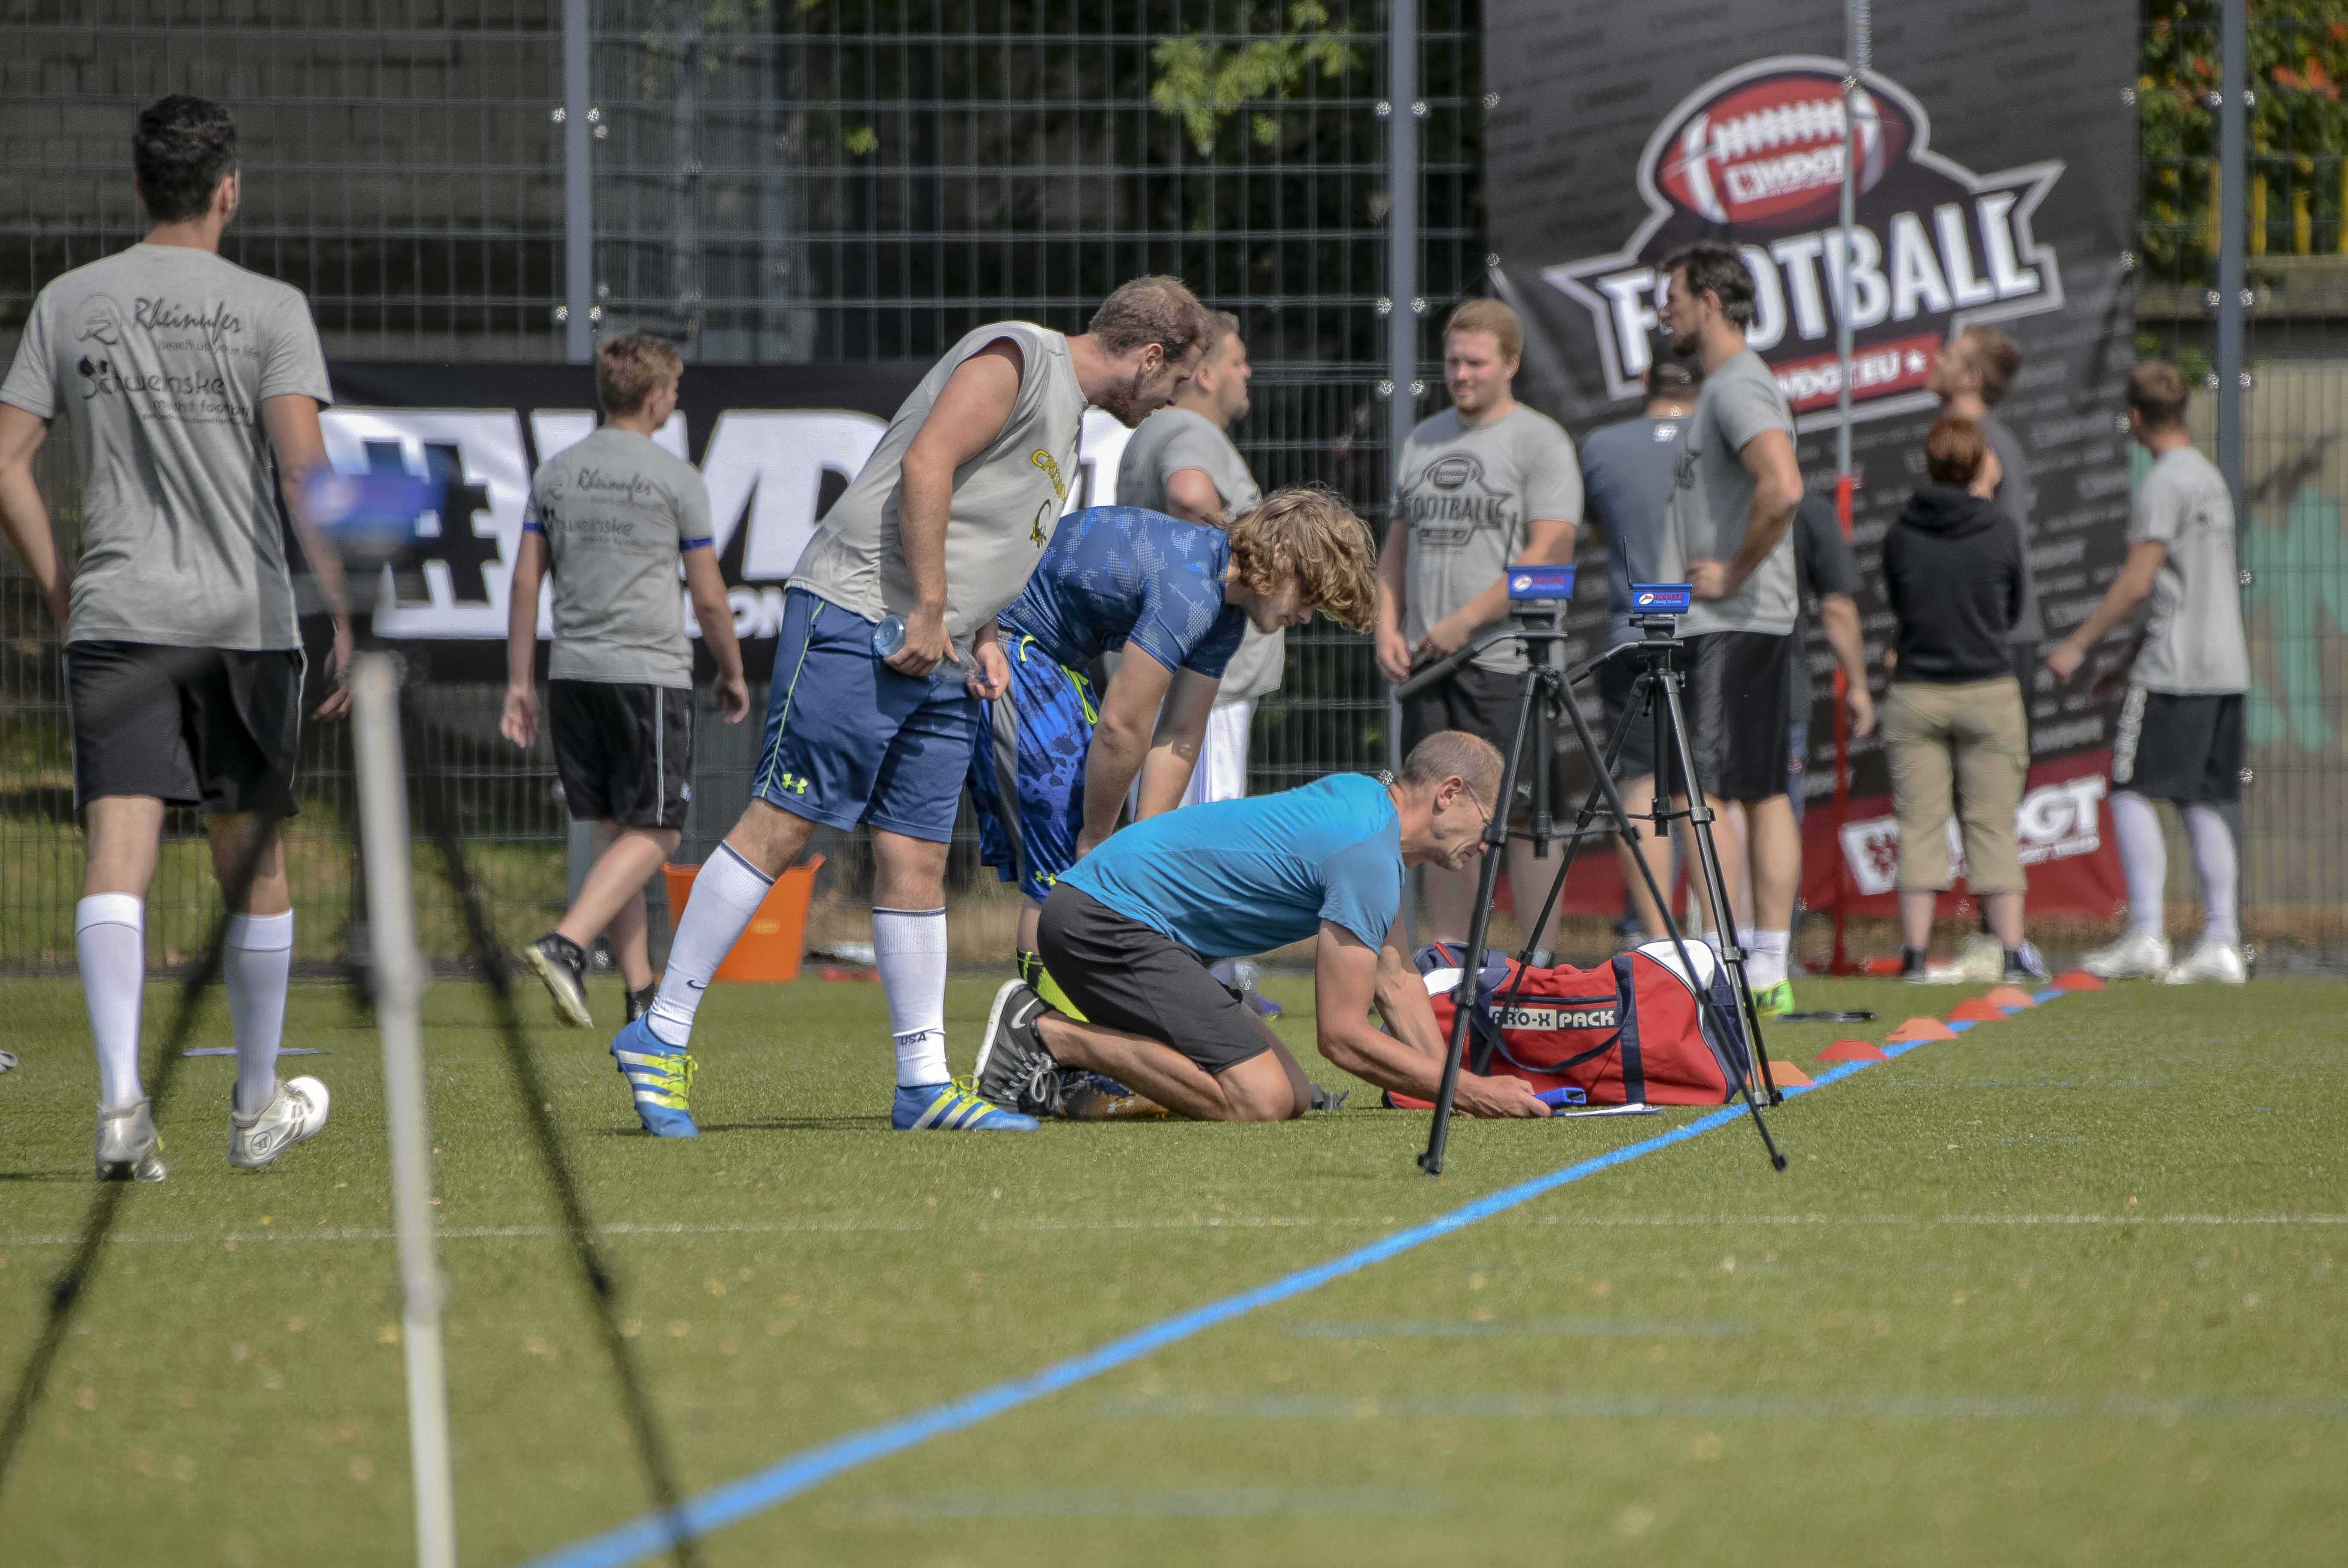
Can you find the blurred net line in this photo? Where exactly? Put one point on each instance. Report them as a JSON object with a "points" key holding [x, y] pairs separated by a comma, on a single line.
{"points": [[774, 182]]}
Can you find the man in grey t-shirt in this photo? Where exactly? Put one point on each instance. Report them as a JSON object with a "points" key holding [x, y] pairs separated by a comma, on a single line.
{"points": [[1484, 485], [189, 389], [887, 644], [1732, 512], [2180, 735], [612, 516], [1181, 462]]}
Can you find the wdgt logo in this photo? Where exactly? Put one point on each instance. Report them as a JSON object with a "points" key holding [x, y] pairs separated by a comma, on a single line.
{"points": [[2054, 822], [770, 473], [1756, 156]]}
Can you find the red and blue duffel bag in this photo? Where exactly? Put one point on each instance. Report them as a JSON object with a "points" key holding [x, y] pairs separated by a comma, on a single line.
{"points": [[1628, 1032]]}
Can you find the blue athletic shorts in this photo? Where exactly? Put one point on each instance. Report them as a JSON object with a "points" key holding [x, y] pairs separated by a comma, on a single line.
{"points": [[1027, 769], [850, 740]]}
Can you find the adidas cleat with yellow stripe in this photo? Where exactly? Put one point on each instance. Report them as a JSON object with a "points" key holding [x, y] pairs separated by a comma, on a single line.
{"points": [[951, 1108], [660, 1080]]}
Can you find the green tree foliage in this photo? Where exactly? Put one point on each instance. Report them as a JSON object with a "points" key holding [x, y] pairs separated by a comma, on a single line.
{"points": [[1205, 82]]}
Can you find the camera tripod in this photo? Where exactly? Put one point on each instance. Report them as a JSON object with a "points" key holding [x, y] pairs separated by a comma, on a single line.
{"points": [[1536, 612]]}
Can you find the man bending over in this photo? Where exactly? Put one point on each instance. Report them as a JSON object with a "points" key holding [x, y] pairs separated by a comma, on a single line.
{"points": [[1056, 758], [1128, 934]]}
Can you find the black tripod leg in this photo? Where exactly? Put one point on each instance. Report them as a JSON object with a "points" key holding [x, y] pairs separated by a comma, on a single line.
{"points": [[1463, 1000], [1716, 886]]}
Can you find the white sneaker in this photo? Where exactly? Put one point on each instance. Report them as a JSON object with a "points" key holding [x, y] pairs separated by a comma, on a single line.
{"points": [[296, 1115], [2138, 955], [1982, 963], [127, 1145], [2217, 963]]}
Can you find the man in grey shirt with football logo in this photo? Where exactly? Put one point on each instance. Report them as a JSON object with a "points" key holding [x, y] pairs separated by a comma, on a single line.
{"points": [[191, 389], [887, 644], [1732, 511], [1484, 485], [611, 517], [2180, 734], [1181, 462]]}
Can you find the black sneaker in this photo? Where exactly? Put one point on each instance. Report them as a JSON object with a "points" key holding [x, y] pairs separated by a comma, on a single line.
{"points": [[1014, 1071], [1915, 963], [2024, 967], [561, 963], [640, 1002]]}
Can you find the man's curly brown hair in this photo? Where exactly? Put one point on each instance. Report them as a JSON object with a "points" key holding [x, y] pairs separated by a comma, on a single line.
{"points": [[1309, 533]]}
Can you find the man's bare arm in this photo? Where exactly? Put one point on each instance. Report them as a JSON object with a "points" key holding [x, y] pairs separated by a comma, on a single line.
{"points": [[1768, 458], [292, 423], [1174, 748], [1129, 711], [1191, 496], [714, 613], [1394, 567], [1838, 619], [22, 511], [1348, 975], [2138, 574], [971, 411]]}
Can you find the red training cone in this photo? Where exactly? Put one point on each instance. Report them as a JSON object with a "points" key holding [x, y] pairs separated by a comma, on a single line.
{"points": [[1852, 1050], [1976, 1009], [2011, 997], [1923, 1028], [1785, 1075], [2078, 981]]}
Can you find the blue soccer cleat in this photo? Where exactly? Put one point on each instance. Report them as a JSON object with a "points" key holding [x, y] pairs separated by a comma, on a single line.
{"points": [[951, 1108], [660, 1077]]}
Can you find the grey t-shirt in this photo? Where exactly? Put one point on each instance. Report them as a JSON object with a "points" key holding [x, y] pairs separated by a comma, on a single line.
{"points": [[158, 358], [2017, 495], [1169, 441], [1626, 469], [1711, 498], [1467, 496], [2193, 638], [617, 511], [1007, 500]]}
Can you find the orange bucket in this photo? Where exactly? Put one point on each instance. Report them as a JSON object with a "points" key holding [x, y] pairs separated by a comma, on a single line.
{"points": [[770, 950]]}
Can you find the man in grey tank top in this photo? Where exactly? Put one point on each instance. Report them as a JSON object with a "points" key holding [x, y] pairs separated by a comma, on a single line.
{"points": [[189, 390], [887, 644], [1181, 462]]}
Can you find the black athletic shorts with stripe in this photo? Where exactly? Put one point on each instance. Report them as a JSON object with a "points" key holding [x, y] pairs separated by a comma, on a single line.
{"points": [[2180, 747], [623, 751], [217, 728]]}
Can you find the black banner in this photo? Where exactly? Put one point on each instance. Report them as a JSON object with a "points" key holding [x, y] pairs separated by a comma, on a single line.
{"points": [[1995, 158]]}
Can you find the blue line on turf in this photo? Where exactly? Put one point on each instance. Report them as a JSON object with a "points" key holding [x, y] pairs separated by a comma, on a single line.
{"points": [[736, 1500]]}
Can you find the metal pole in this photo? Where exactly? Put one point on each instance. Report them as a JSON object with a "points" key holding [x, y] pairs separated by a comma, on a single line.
{"points": [[577, 184], [398, 1005], [1858, 50], [2233, 198], [1404, 112]]}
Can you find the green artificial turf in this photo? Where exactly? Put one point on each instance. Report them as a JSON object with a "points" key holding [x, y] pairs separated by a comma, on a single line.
{"points": [[2066, 1290]]}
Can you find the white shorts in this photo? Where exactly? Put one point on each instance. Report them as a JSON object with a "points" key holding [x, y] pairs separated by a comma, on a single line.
{"points": [[1221, 773]]}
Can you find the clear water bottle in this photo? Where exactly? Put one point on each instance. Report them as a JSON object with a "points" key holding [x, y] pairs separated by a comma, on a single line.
{"points": [[888, 636]]}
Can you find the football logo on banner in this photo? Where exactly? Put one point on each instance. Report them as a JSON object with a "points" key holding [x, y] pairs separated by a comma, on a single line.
{"points": [[1756, 156]]}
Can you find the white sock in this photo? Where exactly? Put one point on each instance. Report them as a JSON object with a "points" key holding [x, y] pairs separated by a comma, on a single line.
{"points": [[910, 947], [1712, 940], [725, 894], [2144, 860], [110, 944], [255, 969], [2216, 867], [1764, 958]]}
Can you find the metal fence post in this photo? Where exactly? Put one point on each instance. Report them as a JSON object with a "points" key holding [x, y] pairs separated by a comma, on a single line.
{"points": [[1403, 114], [2233, 196], [578, 269]]}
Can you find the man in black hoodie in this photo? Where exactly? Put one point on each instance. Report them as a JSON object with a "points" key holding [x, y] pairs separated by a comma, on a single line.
{"points": [[1953, 723]]}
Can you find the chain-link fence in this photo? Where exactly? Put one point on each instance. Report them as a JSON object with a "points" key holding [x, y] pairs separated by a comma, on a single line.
{"points": [[773, 183]]}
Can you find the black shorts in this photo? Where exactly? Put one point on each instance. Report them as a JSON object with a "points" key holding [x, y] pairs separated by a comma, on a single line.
{"points": [[1124, 974], [2186, 749], [1615, 679], [217, 728], [1483, 703], [624, 752], [1736, 717]]}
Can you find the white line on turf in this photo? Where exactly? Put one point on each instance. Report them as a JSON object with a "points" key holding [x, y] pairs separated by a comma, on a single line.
{"points": [[358, 1234]]}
